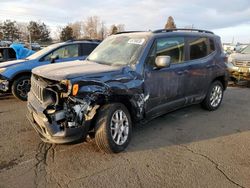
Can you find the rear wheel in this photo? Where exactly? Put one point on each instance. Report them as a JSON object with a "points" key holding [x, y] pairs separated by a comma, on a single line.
{"points": [[113, 128], [214, 96], [21, 87]]}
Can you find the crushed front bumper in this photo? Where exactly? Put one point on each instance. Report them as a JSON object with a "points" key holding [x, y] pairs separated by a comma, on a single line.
{"points": [[52, 132]]}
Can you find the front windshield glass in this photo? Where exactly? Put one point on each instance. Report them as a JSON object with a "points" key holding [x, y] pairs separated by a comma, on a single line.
{"points": [[119, 50], [43, 51], [246, 50]]}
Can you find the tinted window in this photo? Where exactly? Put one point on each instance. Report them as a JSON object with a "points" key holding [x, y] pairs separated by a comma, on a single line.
{"points": [[88, 48], [212, 46], [173, 47], [12, 53], [198, 48], [1, 55], [64, 52]]}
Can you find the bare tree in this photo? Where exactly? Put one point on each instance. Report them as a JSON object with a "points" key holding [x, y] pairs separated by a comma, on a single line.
{"points": [[116, 28], [77, 29], [103, 33], [120, 27], [170, 23], [113, 30], [23, 31], [57, 32], [90, 27]]}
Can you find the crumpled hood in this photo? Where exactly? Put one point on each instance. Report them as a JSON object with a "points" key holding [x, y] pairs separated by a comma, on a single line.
{"points": [[240, 57], [72, 69], [11, 63]]}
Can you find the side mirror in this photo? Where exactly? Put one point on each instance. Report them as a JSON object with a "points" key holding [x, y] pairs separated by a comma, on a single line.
{"points": [[53, 58], [162, 61]]}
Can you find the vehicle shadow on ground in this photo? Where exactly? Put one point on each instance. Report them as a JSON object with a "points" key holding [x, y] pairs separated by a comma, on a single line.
{"points": [[5, 96], [191, 124]]}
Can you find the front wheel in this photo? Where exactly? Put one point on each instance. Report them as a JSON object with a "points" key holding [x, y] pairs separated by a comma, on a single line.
{"points": [[21, 87], [113, 128], [214, 96]]}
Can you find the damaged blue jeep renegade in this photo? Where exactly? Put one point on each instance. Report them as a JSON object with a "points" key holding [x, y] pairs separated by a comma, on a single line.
{"points": [[129, 77]]}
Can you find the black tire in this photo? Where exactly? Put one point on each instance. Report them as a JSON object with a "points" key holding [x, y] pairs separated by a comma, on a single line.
{"points": [[207, 103], [21, 87], [103, 132]]}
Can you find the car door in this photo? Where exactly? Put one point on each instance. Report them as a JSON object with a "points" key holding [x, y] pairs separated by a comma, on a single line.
{"points": [[165, 87], [201, 65], [65, 53]]}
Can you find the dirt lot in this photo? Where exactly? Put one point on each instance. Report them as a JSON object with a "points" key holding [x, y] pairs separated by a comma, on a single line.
{"points": [[186, 148]]}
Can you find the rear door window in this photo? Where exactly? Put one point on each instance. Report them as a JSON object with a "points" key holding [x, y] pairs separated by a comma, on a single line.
{"points": [[198, 48], [212, 46], [86, 48]]}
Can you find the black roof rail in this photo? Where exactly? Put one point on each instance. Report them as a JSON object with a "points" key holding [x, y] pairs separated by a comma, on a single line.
{"points": [[182, 29], [122, 32], [90, 40]]}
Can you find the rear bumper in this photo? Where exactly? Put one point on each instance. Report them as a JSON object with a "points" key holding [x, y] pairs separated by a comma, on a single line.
{"points": [[51, 132]]}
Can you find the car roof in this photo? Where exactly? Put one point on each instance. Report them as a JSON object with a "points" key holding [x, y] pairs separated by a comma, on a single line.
{"points": [[174, 32]]}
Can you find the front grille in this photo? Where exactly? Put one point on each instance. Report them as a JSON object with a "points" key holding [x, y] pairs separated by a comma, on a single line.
{"points": [[37, 89], [242, 63]]}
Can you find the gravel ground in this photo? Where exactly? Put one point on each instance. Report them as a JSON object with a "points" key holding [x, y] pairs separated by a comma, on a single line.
{"points": [[187, 148]]}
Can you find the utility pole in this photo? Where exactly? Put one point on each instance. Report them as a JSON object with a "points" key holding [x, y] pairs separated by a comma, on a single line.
{"points": [[30, 39]]}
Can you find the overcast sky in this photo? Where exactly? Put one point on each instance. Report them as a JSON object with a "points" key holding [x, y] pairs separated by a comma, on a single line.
{"points": [[228, 18]]}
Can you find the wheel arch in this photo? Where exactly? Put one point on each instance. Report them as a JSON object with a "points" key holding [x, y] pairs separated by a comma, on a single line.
{"points": [[18, 75], [223, 80]]}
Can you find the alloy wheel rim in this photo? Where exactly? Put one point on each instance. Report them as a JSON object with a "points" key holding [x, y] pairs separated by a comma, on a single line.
{"points": [[216, 96], [119, 127], [23, 88]]}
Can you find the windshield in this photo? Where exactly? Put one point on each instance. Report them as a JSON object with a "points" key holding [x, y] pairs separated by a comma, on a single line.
{"points": [[43, 51], [119, 50], [246, 50]]}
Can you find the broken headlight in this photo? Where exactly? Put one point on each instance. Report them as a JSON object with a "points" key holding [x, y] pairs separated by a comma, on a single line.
{"points": [[67, 87]]}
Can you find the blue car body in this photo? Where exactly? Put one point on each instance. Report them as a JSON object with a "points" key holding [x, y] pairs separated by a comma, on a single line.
{"points": [[11, 70]]}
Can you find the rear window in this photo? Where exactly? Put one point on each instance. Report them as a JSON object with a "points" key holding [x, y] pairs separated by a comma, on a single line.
{"points": [[198, 48], [88, 48]]}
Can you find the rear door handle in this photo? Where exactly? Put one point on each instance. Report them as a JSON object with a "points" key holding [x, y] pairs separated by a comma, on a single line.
{"points": [[210, 66], [180, 72]]}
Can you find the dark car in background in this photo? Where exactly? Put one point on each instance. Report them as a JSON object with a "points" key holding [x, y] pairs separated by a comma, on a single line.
{"points": [[15, 75], [7, 54], [129, 77]]}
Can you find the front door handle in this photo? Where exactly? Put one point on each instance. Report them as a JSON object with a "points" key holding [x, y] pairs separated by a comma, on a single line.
{"points": [[182, 72]]}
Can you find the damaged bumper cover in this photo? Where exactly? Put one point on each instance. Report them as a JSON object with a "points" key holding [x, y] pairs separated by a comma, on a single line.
{"points": [[54, 128], [239, 73], [4, 85]]}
